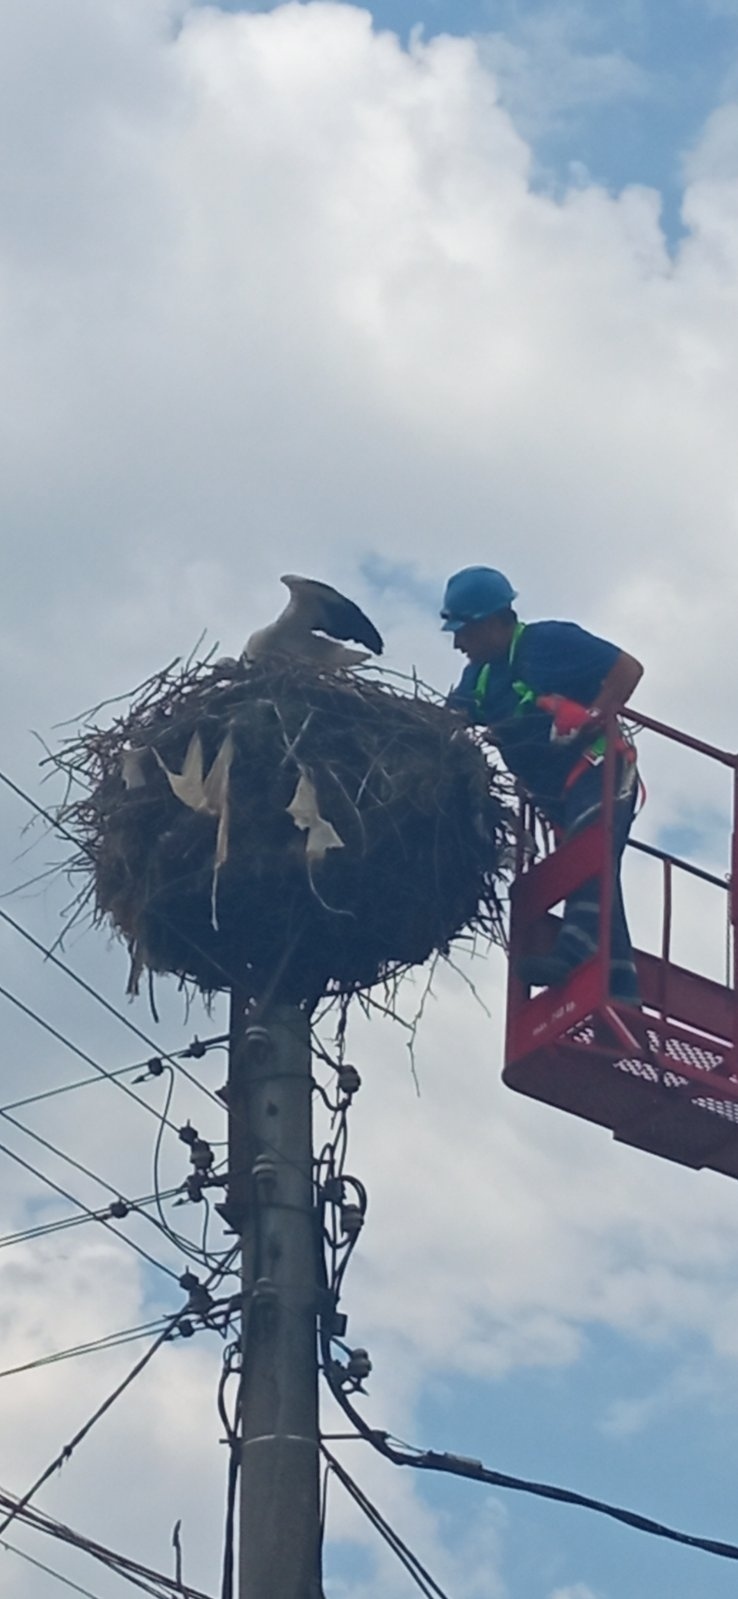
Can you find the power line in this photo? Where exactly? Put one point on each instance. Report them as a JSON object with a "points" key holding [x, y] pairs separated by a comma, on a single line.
{"points": [[61, 1037], [67, 1088], [89, 1214], [102, 1409], [112, 1010], [199, 1046], [49, 955], [128, 1335], [85, 1170], [340, 1377], [109, 1341], [141, 1576], [44, 1229], [50, 1572], [181, 1243], [475, 1471], [65, 1453], [83, 848], [162, 1118], [419, 1573], [161, 1055]]}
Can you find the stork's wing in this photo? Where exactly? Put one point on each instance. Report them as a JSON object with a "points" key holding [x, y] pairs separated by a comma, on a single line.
{"points": [[321, 606]]}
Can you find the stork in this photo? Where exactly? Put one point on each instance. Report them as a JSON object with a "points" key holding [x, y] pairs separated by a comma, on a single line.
{"points": [[315, 617]]}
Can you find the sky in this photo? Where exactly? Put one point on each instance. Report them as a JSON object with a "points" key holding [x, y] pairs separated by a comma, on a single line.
{"points": [[371, 294]]}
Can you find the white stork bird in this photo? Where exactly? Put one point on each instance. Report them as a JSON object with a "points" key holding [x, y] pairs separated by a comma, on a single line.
{"points": [[314, 618]]}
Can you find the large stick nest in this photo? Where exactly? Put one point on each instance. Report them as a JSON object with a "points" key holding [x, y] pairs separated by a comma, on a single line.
{"points": [[404, 799]]}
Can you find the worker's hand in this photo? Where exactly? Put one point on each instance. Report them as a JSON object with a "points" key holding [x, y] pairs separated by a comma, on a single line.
{"points": [[570, 721]]}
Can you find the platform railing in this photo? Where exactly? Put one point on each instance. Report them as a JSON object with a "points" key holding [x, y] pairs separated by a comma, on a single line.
{"points": [[670, 989]]}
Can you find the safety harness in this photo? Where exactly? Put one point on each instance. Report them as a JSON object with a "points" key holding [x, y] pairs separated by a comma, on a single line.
{"points": [[527, 697]]}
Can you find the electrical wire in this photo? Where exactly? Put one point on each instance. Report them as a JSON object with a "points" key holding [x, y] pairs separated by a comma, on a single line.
{"points": [[419, 1573], [330, 1183], [49, 954], [45, 1229], [85, 849], [163, 1118], [475, 1471], [132, 1571], [67, 1088], [128, 1335], [61, 1038], [89, 1215], [110, 1341], [231, 1355], [196, 1048], [183, 1244], [112, 1010], [160, 1225], [420, 1460], [50, 1572], [102, 1409], [100, 1000]]}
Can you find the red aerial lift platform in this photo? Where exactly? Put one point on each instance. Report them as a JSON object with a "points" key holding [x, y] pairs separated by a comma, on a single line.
{"points": [[663, 1078]]}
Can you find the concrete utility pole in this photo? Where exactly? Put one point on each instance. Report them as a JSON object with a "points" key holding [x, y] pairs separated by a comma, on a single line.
{"points": [[270, 1202]]}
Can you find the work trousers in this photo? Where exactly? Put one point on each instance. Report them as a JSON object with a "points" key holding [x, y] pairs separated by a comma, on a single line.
{"points": [[579, 936]]}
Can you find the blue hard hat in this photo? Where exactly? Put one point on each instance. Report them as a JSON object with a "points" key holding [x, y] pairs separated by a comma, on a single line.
{"points": [[473, 593]]}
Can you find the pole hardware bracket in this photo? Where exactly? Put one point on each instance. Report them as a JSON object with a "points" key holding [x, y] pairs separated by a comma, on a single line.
{"points": [[333, 1321], [332, 1191], [232, 1214]]}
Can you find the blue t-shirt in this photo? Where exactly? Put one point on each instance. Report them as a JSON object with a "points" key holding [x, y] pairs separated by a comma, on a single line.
{"points": [[550, 658]]}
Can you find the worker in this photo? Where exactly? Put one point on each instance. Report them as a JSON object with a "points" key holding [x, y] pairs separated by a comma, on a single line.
{"points": [[542, 689]]}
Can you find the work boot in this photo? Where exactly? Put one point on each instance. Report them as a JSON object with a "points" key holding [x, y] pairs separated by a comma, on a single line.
{"points": [[543, 971]]}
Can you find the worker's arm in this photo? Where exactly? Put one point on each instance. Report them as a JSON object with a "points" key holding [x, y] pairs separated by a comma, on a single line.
{"points": [[619, 684]]}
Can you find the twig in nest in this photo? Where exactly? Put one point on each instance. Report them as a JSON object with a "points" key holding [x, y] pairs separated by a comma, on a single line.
{"points": [[414, 804]]}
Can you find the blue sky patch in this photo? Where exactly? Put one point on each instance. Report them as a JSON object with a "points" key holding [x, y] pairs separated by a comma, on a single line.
{"points": [[613, 94]]}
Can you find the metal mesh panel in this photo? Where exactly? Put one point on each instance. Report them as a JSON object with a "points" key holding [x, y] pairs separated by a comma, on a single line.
{"points": [[650, 1069]]}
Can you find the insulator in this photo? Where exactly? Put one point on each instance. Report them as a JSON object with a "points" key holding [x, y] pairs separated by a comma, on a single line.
{"points": [[264, 1173], [352, 1220], [155, 1066], [200, 1301], [119, 1209], [349, 1081], [264, 1295], [193, 1188], [185, 1328], [189, 1281], [188, 1134], [196, 1049], [258, 1041], [201, 1155], [359, 1365]]}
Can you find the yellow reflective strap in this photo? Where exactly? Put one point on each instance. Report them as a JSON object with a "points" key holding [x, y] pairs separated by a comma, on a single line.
{"points": [[526, 694], [481, 685], [515, 640]]}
